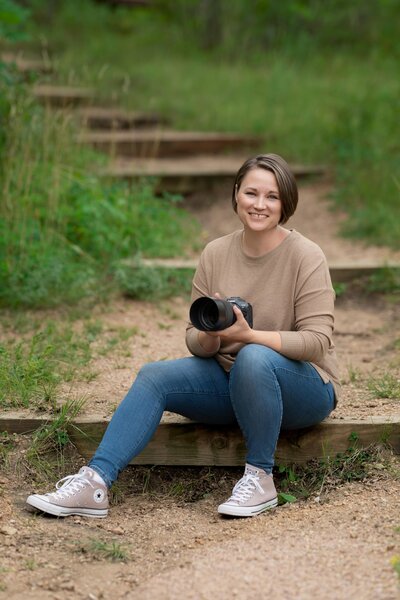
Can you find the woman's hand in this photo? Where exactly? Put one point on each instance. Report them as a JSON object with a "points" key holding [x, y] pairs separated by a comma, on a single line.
{"points": [[240, 331]]}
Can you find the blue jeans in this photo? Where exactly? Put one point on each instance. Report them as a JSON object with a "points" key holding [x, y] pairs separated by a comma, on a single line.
{"points": [[263, 393]]}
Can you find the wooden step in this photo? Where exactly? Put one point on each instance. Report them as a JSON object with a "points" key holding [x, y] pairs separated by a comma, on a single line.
{"points": [[341, 272], [97, 117], [62, 96], [186, 175], [179, 441], [162, 143], [27, 65]]}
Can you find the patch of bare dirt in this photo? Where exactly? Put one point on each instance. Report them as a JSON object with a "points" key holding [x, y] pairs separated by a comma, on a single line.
{"points": [[340, 548]]}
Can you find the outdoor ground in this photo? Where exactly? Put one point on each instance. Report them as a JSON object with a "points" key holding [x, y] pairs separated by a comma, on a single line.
{"points": [[163, 531]]}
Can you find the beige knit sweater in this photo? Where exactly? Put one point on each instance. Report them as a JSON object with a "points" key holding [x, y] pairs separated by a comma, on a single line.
{"points": [[290, 290]]}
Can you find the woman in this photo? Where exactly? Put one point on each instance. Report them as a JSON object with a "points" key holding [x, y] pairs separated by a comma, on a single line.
{"points": [[280, 373]]}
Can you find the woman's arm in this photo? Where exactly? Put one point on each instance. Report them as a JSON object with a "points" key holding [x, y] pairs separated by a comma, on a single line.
{"points": [[200, 343], [240, 332], [311, 336]]}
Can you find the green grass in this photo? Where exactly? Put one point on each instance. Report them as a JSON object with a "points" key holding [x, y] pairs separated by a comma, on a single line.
{"points": [[320, 93], [51, 443], [386, 386], [101, 549], [153, 283], [63, 230], [34, 365], [317, 477], [395, 562], [7, 445]]}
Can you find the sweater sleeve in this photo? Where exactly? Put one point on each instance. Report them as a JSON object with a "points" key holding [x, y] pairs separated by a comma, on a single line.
{"points": [[311, 337], [200, 287]]}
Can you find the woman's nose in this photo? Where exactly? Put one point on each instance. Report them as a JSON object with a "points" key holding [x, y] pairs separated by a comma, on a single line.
{"points": [[260, 202]]}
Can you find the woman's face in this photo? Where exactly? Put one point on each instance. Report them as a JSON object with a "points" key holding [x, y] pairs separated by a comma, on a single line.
{"points": [[259, 206]]}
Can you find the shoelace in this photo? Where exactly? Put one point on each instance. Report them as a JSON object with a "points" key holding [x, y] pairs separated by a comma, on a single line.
{"points": [[245, 488], [68, 486]]}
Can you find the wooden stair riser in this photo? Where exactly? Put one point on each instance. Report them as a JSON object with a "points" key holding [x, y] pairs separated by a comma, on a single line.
{"points": [[197, 173], [118, 120], [62, 97], [188, 443], [167, 148]]}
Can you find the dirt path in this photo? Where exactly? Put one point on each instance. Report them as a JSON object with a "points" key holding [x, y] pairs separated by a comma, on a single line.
{"points": [[335, 549], [314, 218]]}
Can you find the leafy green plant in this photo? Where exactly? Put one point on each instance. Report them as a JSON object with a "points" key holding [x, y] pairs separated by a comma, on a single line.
{"points": [[385, 281], [284, 498], [13, 19], [153, 283], [340, 289]]}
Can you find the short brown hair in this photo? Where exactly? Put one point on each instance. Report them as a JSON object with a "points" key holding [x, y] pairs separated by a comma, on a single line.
{"points": [[287, 185]]}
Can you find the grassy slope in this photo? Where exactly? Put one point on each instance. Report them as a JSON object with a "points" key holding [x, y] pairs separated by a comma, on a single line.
{"points": [[334, 107]]}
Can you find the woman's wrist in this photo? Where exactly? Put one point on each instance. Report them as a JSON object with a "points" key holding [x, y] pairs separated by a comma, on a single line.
{"points": [[272, 339]]}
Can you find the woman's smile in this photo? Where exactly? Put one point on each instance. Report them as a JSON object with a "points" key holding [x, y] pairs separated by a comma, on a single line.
{"points": [[258, 216]]}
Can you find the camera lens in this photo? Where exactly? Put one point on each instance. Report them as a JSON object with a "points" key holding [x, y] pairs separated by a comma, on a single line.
{"points": [[211, 314]]}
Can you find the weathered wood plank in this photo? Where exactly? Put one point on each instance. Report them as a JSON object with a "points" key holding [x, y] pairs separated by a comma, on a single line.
{"points": [[62, 96], [185, 175], [340, 272], [167, 144], [204, 166], [27, 65], [179, 441], [98, 117]]}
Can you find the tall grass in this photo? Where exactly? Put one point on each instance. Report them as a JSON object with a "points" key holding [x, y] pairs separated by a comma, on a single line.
{"points": [[319, 84], [63, 230]]}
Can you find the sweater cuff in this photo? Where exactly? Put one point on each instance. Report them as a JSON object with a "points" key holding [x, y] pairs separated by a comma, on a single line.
{"points": [[194, 346]]}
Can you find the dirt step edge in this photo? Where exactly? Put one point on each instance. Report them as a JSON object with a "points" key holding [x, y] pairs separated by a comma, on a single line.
{"points": [[341, 272]]}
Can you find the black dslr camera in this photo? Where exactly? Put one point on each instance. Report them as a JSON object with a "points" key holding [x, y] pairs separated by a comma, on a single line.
{"points": [[213, 314]]}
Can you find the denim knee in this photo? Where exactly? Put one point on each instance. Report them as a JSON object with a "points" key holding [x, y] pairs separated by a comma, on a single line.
{"points": [[254, 357], [153, 371]]}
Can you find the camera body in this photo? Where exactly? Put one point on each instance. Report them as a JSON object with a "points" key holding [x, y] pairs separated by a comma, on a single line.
{"points": [[245, 307], [214, 314]]}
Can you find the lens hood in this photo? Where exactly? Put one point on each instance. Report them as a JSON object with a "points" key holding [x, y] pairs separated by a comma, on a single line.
{"points": [[211, 314]]}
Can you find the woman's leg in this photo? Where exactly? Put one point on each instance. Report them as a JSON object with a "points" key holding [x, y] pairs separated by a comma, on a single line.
{"points": [[194, 387], [270, 392]]}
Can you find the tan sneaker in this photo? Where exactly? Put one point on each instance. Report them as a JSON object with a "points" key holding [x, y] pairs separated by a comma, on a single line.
{"points": [[84, 494], [252, 494]]}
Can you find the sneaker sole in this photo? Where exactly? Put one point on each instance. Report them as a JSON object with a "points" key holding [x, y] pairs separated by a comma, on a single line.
{"points": [[62, 511], [246, 511]]}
